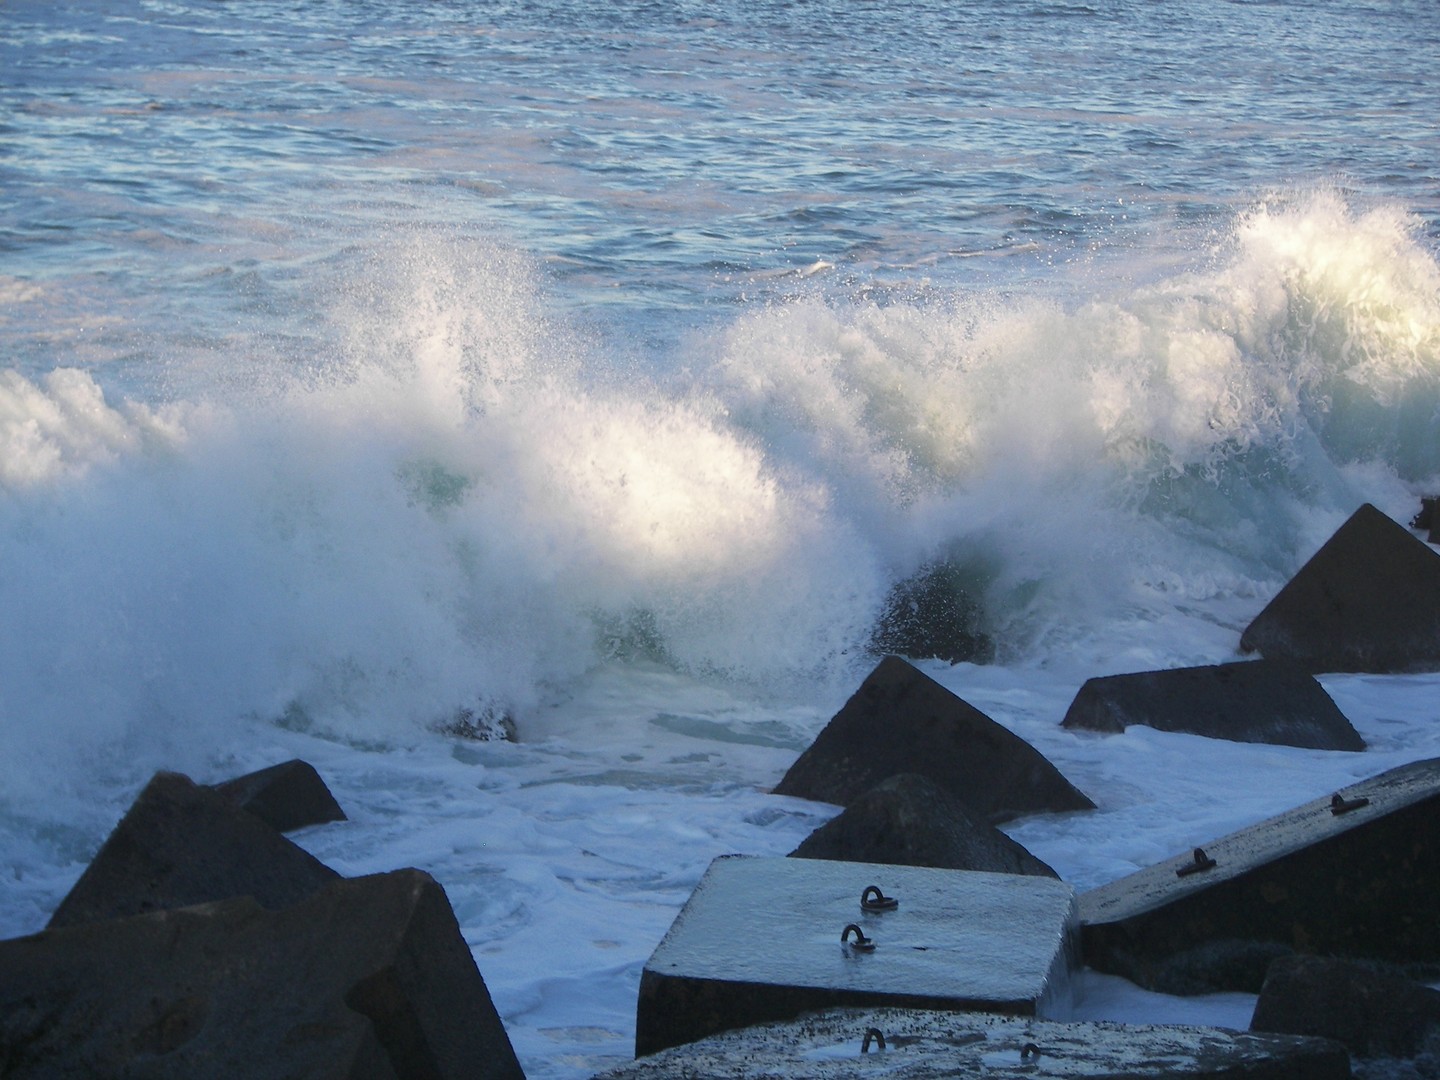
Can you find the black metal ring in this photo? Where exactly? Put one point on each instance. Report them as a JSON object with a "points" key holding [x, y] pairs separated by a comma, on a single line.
{"points": [[877, 1035], [1028, 1051], [860, 942], [872, 899]]}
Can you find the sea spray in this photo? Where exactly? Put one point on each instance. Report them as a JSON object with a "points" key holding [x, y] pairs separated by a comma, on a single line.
{"points": [[474, 500]]}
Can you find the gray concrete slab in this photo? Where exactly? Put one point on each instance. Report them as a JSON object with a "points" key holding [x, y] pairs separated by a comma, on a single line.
{"points": [[761, 939], [922, 1045], [1360, 882]]}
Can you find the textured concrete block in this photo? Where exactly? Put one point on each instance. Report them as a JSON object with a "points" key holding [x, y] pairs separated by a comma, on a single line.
{"points": [[761, 939], [1259, 701], [1368, 600], [1373, 1012], [846, 1044], [180, 844], [369, 977], [286, 797], [909, 820], [902, 721], [1355, 877]]}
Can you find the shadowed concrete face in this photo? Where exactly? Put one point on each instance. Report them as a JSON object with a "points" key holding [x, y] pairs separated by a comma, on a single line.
{"points": [[761, 939], [181, 844], [286, 797], [902, 721], [925, 1045], [1368, 600], [1356, 878], [368, 977], [1259, 701]]}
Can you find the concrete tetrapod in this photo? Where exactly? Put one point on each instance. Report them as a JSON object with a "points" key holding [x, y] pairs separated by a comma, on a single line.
{"points": [[902, 1044], [769, 938]]}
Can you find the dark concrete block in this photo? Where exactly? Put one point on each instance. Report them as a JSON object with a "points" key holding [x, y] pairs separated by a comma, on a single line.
{"points": [[181, 844], [761, 939], [902, 721], [921, 1045], [1260, 701], [1368, 600], [1373, 1012], [1359, 883], [286, 797], [910, 820], [366, 978], [933, 615]]}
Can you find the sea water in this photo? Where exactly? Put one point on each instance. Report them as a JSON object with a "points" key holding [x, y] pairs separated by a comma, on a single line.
{"points": [[607, 366]]}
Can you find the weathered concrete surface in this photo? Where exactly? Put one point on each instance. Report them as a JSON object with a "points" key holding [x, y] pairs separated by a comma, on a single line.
{"points": [[1373, 1012], [368, 977], [909, 820], [1361, 884], [286, 797], [1259, 701], [1368, 600], [902, 721], [181, 844], [761, 939], [931, 1045]]}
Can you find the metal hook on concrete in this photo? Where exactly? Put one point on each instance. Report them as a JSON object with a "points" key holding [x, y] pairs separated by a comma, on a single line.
{"points": [[1341, 805], [1029, 1052], [1201, 862], [877, 1035], [872, 899], [861, 941]]}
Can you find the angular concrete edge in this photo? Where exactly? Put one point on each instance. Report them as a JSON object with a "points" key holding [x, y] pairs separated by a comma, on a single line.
{"points": [[1354, 878], [181, 844], [367, 977], [764, 939], [845, 1044], [287, 796]]}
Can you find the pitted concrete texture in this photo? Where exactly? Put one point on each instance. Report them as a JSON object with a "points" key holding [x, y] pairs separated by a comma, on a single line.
{"points": [[761, 939], [921, 1045], [1359, 882]]}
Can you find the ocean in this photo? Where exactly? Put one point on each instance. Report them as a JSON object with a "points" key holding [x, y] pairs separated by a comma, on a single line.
{"points": [[609, 367]]}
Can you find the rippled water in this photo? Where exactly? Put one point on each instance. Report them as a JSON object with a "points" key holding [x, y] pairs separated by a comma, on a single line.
{"points": [[190, 183]]}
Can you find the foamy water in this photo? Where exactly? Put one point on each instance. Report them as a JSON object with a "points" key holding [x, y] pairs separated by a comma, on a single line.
{"points": [[609, 368]]}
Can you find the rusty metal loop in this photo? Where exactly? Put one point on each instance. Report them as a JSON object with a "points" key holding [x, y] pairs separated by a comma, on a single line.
{"points": [[1200, 862], [872, 899], [877, 1035], [860, 942], [1341, 805]]}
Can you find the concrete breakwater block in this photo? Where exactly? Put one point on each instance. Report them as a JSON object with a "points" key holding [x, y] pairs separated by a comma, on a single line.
{"points": [[766, 939], [1375, 1013], [903, 1044], [902, 721], [286, 797], [1352, 874], [1259, 701], [369, 977], [181, 844], [1368, 600], [909, 820]]}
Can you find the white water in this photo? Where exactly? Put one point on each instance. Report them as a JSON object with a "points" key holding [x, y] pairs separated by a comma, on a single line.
{"points": [[668, 573]]}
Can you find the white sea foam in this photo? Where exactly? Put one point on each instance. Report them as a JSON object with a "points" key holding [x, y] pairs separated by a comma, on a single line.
{"points": [[669, 575]]}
